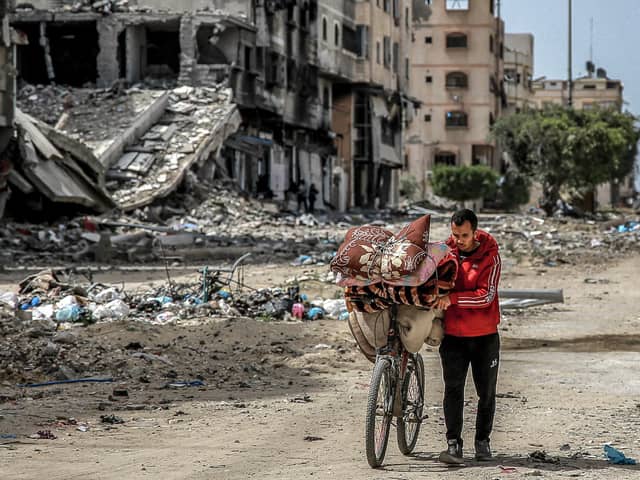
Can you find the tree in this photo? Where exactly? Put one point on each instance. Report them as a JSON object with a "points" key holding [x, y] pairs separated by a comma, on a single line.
{"points": [[464, 182], [565, 148]]}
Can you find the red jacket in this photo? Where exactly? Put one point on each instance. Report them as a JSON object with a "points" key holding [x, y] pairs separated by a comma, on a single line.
{"points": [[474, 309]]}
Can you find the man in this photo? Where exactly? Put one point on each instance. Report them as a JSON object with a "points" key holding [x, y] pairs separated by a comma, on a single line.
{"points": [[472, 314]]}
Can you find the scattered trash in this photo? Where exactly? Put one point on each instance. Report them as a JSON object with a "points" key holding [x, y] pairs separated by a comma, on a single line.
{"points": [[544, 457], [111, 419], [43, 435], [193, 383], [504, 469], [61, 382], [617, 457]]}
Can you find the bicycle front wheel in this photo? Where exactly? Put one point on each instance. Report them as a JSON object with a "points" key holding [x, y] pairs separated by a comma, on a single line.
{"points": [[379, 412], [412, 405]]}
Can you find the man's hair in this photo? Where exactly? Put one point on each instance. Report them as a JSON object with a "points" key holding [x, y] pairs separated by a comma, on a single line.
{"points": [[465, 215]]}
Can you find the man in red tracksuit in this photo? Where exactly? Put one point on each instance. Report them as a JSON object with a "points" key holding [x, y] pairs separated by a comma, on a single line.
{"points": [[472, 314]]}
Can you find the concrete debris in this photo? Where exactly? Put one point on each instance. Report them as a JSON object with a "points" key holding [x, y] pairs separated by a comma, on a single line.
{"points": [[152, 138], [194, 126]]}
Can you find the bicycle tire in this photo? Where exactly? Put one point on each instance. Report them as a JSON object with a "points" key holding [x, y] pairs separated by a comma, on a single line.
{"points": [[408, 426], [381, 409]]}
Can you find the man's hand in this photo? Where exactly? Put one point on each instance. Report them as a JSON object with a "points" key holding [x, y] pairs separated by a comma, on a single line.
{"points": [[443, 302]]}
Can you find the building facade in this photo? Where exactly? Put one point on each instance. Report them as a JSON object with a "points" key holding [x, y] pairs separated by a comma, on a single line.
{"points": [[518, 71], [588, 92], [321, 85], [457, 74]]}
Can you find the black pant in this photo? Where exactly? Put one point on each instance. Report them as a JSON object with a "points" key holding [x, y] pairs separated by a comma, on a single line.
{"points": [[483, 353]]}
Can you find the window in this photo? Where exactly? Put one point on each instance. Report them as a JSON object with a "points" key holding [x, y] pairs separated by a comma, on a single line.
{"points": [[386, 5], [491, 43], [589, 86], [428, 79], [491, 6], [350, 39], [362, 34], [428, 40], [378, 53], [427, 117], [325, 98], [457, 4], [611, 85], [247, 59], [406, 68], [386, 51], [456, 119], [456, 40], [336, 35], [396, 56], [457, 80], [406, 18], [492, 119], [324, 29], [445, 158]]}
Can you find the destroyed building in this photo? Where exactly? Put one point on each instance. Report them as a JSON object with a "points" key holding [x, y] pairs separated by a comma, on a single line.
{"points": [[120, 98]]}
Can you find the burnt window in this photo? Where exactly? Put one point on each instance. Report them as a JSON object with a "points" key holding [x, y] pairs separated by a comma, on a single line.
{"points": [[457, 80], [457, 40], [427, 117], [456, 119], [428, 79], [428, 40], [324, 29]]}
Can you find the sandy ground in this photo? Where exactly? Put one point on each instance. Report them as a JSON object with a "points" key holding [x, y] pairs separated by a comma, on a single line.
{"points": [[287, 400]]}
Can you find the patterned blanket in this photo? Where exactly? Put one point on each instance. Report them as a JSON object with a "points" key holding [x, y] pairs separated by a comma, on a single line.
{"points": [[379, 268]]}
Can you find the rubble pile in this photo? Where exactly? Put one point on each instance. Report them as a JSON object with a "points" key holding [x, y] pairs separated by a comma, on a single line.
{"points": [[551, 241], [195, 123], [43, 334], [79, 113], [97, 6]]}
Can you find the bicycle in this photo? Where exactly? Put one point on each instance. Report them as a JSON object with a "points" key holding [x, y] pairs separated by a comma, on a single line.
{"points": [[396, 390]]}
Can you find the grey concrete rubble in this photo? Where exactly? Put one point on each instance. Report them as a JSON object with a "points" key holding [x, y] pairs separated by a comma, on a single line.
{"points": [[193, 128]]}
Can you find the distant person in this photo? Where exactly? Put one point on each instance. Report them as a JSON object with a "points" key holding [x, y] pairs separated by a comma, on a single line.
{"points": [[471, 318], [302, 196], [313, 193]]}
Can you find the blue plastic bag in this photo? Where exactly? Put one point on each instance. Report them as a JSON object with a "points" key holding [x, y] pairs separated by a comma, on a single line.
{"points": [[617, 457]]}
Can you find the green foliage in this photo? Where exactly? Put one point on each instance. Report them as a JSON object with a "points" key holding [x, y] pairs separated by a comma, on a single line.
{"points": [[464, 182], [565, 148], [514, 190], [408, 186]]}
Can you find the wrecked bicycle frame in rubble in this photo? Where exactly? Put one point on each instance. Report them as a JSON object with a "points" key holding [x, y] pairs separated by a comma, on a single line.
{"points": [[396, 390]]}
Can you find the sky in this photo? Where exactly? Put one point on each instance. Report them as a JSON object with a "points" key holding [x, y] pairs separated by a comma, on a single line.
{"points": [[616, 38]]}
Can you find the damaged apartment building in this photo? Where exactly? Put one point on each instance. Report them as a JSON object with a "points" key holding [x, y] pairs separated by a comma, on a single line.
{"points": [[268, 92]]}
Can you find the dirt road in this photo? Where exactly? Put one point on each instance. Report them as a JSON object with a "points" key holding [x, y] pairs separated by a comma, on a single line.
{"points": [[286, 400]]}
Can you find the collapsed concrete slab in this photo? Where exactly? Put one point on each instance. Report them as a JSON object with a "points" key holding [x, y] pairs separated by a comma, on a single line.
{"points": [[195, 125], [54, 173]]}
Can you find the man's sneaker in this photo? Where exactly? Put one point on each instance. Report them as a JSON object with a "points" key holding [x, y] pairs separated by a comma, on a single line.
{"points": [[453, 454], [483, 450]]}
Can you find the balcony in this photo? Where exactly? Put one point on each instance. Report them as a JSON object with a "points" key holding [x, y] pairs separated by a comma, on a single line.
{"points": [[337, 63]]}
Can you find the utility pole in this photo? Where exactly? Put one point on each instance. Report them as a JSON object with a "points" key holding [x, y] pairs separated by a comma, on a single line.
{"points": [[570, 102]]}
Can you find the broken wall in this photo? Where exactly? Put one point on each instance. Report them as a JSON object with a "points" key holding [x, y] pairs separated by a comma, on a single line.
{"points": [[190, 6]]}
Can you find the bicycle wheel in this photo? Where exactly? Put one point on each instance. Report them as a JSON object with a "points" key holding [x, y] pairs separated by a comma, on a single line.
{"points": [[412, 405], [379, 412]]}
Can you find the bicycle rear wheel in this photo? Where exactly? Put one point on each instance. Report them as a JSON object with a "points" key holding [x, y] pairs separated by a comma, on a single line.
{"points": [[412, 405], [379, 412]]}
